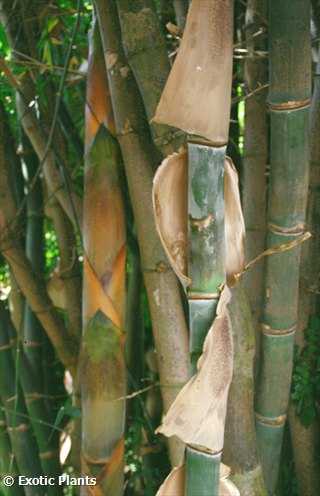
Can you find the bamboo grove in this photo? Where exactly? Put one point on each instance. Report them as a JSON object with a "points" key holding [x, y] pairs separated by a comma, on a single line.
{"points": [[159, 247]]}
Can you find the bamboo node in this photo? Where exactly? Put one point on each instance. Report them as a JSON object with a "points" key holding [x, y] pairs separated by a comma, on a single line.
{"points": [[111, 59], [272, 421], [269, 331], [204, 451], [160, 267], [19, 428], [203, 296], [31, 344], [32, 397], [296, 230], [48, 455], [290, 105], [202, 223]]}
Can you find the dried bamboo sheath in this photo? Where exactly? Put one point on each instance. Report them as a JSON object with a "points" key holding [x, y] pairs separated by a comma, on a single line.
{"points": [[289, 96], [103, 386]]}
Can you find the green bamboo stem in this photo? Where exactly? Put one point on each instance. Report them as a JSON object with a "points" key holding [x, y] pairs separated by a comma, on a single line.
{"points": [[206, 268], [8, 465], [134, 319], [41, 418], [289, 100], [147, 55], [70, 131], [32, 332], [22, 439], [304, 439], [254, 179], [30, 370]]}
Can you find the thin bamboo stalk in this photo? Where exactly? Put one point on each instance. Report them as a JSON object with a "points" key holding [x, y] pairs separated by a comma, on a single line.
{"points": [[22, 38], [103, 384], [32, 332], [8, 465], [30, 284], [254, 176], [134, 320], [30, 369], [289, 100], [168, 321], [20, 431]]}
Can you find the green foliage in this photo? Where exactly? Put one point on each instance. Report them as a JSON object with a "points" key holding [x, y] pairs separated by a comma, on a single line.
{"points": [[51, 247], [306, 375]]}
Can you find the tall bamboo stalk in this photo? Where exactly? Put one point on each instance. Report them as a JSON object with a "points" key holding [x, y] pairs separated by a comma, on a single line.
{"points": [[30, 370], [201, 76], [289, 100], [8, 465], [305, 439], [29, 283], [206, 269], [254, 178], [240, 449], [168, 321], [22, 438], [103, 384]]}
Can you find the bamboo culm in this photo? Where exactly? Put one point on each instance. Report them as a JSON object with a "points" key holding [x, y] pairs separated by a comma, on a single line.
{"points": [[206, 268], [289, 100]]}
